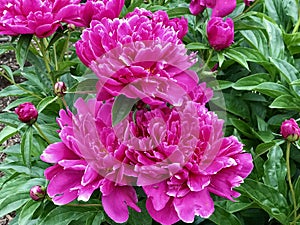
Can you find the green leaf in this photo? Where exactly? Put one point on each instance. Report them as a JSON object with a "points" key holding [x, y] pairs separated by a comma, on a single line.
{"points": [[286, 102], [96, 219], [288, 71], [264, 147], [236, 105], [196, 46], [121, 108], [250, 82], [178, 11], [12, 90], [297, 190], [258, 40], [27, 212], [272, 89], [63, 215], [26, 146], [223, 217], [13, 202], [293, 42], [268, 198], [45, 102], [137, 218], [236, 56], [6, 133], [22, 48], [10, 119], [289, 7], [275, 170], [243, 127], [9, 72], [275, 11]]}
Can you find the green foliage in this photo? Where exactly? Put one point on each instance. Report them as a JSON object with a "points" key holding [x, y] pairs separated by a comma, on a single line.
{"points": [[260, 82]]}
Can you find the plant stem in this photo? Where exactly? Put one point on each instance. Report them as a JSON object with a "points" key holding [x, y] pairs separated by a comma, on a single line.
{"points": [[41, 133], [288, 151], [208, 59], [295, 30], [46, 59]]}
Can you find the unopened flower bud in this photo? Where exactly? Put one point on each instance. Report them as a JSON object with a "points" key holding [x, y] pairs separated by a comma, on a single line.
{"points": [[37, 193], [220, 33], [27, 113], [248, 2], [60, 88], [290, 130], [71, 26]]}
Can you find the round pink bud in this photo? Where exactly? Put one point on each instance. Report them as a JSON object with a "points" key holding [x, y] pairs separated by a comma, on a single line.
{"points": [[60, 88], [290, 130], [220, 33], [37, 193], [27, 113]]}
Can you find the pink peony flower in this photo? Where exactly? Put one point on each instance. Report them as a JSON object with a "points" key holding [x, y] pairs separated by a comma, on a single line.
{"points": [[72, 177], [139, 25], [96, 10], [219, 8], [290, 130], [138, 56], [39, 17], [187, 193], [27, 113], [220, 33]]}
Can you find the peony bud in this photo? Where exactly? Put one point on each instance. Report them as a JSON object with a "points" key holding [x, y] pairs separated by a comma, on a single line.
{"points": [[290, 130], [37, 193], [248, 2], [220, 33], [27, 113], [60, 88]]}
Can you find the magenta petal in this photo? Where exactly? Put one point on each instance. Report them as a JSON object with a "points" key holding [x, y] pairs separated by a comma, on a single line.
{"points": [[223, 8], [157, 193], [166, 216], [56, 152], [197, 6], [195, 203], [115, 204], [61, 187]]}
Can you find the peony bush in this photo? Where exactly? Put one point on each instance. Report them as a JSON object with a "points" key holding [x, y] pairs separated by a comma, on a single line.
{"points": [[151, 112]]}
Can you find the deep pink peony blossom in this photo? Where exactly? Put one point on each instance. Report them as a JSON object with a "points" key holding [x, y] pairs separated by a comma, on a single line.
{"points": [[27, 113], [290, 130], [141, 56], [96, 10], [72, 177], [140, 25], [39, 17], [187, 193], [220, 33], [220, 8]]}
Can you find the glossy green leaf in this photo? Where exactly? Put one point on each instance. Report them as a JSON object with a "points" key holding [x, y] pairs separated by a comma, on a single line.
{"points": [[8, 72], [223, 217], [13, 202], [137, 218], [288, 71], [121, 108], [250, 82], [26, 146], [178, 11], [6, 133], [27, 212], [12, 91], [264, 147], [63, 215], [243, 127], [272, 89], [46, 102], [275, 170], [95, 219], [236, 56], [22, 48], [196, 46], [286, 102], [268, 198], [293, 42]]}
